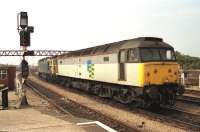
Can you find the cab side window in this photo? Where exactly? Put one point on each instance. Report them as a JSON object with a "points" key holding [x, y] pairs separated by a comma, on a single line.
{"points": [[122, 56], [132, 55]]}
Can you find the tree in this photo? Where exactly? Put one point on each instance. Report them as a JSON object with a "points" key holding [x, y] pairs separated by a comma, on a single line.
{"points": [[188, 62]]}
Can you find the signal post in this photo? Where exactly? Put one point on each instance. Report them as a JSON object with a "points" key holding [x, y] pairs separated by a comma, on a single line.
{"points": [[25, 39]]}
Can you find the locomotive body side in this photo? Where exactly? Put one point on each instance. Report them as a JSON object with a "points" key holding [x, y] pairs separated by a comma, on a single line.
{"points": [[142, 70], [98, 69], [43, 68]]}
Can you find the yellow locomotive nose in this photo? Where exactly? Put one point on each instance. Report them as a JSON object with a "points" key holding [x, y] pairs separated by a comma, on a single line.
{"points": [[158, 73]]}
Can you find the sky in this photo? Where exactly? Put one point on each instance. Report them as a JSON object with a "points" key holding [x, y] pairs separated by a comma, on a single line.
{"points": [[76, 24]]}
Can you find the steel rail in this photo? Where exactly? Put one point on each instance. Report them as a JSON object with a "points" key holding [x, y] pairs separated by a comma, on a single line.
{"points": [[180, 122], [189, 99], [194, 92], [33, 87], [179, 118]]}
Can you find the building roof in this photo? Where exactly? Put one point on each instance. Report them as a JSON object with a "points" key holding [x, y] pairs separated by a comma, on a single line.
{"points": [[6, 66]]}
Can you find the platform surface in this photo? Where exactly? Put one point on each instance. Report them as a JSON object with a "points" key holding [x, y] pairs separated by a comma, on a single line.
{"points": [[40, 116], [35, 118], [29, 119]]}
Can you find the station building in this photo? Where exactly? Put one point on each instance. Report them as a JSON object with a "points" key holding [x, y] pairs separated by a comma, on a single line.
{"points": [[190, 77], [7, 76]]}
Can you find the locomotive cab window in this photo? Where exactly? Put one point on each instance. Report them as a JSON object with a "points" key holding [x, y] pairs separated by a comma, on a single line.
{"points": [[150, 54], [157, 54], [122, 68], [106, 58], [132, 55], [167, 54], [122, 58]]}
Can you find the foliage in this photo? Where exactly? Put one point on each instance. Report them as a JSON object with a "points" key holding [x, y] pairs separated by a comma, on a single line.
{"points": [[188, 62]]}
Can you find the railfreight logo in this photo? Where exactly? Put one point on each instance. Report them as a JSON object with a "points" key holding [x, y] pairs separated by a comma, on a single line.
{"points": [[90, 69]]}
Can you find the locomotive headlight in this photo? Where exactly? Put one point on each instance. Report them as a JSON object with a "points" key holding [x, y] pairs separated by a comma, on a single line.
{"points": [[148, 74], [155, 71], [167, 80], [148, 91]]}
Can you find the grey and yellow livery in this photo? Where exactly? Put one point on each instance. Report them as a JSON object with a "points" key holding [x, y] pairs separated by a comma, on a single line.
{"points": [[140, 70]]}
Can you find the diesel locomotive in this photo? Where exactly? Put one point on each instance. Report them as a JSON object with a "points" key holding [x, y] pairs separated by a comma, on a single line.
{"points": [[143, 71]]}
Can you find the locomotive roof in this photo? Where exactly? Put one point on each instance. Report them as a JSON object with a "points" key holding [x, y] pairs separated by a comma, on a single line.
{"points": [[116, 46], [45, 59]]}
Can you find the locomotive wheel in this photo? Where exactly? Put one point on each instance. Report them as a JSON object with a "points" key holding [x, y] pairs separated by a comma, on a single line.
{"points": [[67, 84], [123, 100], [171, 99], [125, 97], [145, 104], [105, 92]]}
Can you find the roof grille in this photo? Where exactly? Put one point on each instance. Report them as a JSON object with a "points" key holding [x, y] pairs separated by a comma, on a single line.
{"points": [[153, 39]]}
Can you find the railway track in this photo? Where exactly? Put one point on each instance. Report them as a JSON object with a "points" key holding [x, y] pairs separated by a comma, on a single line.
{"points": [[193, 92], [180, 116], [189, 99], [71, 107], [171, 115]]}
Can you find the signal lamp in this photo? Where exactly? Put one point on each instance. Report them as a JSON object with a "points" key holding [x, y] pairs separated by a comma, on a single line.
{"points": [[148, 74], [30, 29], [23, 20], [24, 38], [25, 68]]}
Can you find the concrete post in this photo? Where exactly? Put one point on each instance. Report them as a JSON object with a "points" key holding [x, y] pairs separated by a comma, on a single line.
{"points": [[182, 78]]}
